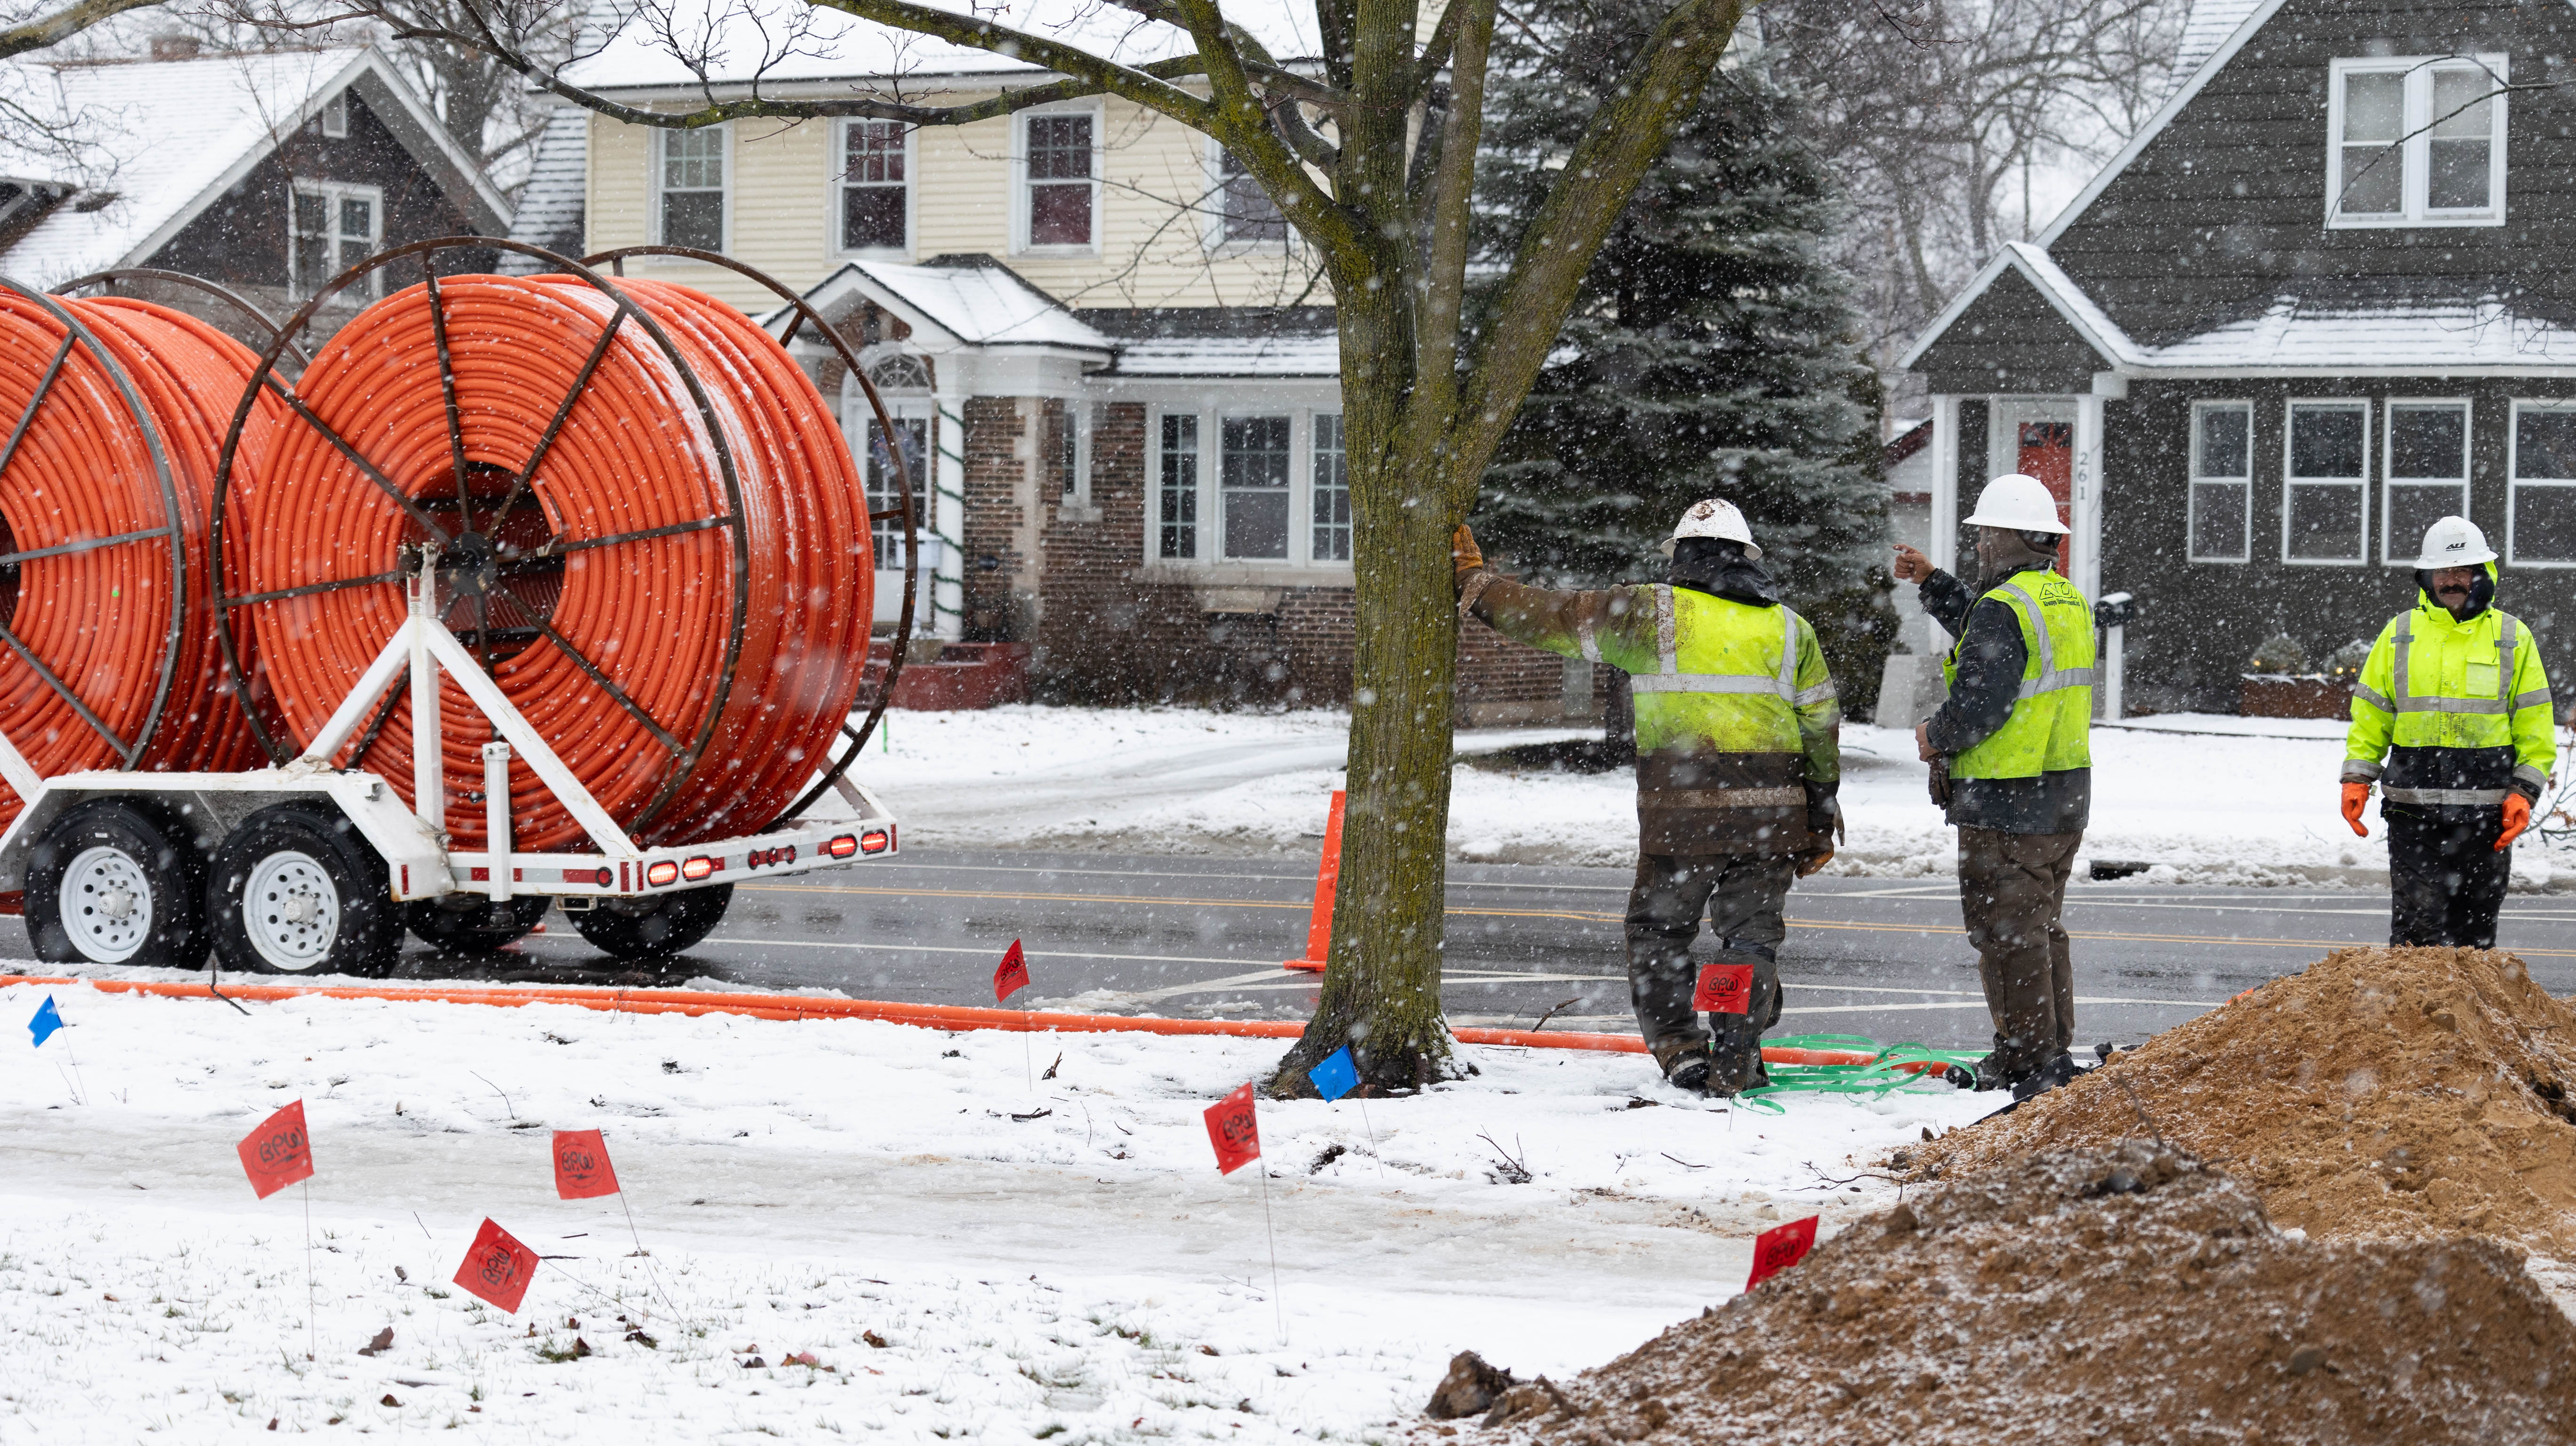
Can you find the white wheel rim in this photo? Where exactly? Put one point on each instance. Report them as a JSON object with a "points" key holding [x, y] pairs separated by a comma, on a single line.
{"points": [[107, 905], [291, 911]]}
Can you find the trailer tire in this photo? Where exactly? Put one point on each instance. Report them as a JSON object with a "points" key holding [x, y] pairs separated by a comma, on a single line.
{"points": [[655, 925], [100, 850], [454, 927], [322, 904]]}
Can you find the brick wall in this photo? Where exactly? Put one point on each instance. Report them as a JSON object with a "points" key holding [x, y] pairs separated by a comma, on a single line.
{"points": [[997, 488]]}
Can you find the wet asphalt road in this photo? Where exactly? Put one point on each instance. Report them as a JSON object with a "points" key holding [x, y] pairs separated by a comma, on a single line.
{"points": [[1205, 936]]}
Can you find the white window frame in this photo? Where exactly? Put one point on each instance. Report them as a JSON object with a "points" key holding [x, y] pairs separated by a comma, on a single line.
{"points": [[1198, 525], [839, 161], [335, 116], [1020, 218], [2413, 157], [2396, 551], [2194, 481], [1314, 479], [1294, 548], [331, 194], [1216, 241], [724, 188], [2515, 482], [1209, 529], [2290, 483]]}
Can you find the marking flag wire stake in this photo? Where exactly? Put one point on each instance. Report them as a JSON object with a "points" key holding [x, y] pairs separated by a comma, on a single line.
{"points": [[1236, 1135], [1009, 978], [1337, 1076]]}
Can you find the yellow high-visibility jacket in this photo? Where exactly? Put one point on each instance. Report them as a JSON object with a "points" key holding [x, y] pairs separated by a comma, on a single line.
{"points": [[2450, 713]]}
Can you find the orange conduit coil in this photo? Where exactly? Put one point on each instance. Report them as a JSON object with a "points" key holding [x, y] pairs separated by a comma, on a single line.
{"points": [[116, 410], [926, 1016], [613, 559]]}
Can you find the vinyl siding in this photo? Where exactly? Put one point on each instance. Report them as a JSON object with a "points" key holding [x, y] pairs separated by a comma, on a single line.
{"points": [[784, 201]]}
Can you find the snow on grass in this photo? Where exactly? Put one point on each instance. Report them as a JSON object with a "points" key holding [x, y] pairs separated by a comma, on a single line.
{"points": [[1042, 1258], [2203, 803]]}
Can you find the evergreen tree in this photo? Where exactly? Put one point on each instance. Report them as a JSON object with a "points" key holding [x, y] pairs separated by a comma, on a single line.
{"points": [[1714, 351]]}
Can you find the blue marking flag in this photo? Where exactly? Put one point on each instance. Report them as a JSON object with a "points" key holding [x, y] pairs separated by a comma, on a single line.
{"points": [[1336, 1076], [47, 1020]]}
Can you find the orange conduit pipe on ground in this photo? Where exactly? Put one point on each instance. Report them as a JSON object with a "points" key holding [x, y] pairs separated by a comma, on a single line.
{"points": [[681, 610], [116, 410], [927, 1016]]}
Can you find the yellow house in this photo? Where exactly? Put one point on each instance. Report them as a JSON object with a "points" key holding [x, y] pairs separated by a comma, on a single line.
{"points": [[1099, 340]]}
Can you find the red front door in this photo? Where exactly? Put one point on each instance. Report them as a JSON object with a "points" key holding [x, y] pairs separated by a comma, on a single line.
{"points": [[2047, 452]]}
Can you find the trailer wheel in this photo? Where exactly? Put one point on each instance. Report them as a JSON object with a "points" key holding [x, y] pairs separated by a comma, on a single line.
{"points": [[462, 923], [296, 891], [113, 881], [656, 925]]}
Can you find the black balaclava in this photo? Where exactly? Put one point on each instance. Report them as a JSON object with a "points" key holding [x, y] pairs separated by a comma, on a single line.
{"points": [[1719, 568], [2481, 591]]}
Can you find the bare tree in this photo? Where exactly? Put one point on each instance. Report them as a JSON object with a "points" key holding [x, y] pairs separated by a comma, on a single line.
{"points": [[1943, 110], [1371, 156], [53, 28]]}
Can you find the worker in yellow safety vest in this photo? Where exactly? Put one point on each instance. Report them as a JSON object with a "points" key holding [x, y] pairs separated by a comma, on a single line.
{"points": [[1738, 762], [2451, 718], [2012, 767]]}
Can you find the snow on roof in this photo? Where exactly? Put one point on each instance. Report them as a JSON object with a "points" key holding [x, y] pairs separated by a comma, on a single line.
{"points": [[2204, 30], [551, 204], [1292, 345], [168, 137], [781, 41], [975, 299]]}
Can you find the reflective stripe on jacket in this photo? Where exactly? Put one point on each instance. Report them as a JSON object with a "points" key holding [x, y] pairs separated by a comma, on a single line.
{"points": [[2449, 713], [2050, 730], [1731, 678]]}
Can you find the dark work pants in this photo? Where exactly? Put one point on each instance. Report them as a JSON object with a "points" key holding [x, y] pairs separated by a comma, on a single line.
{"points": [[2012, 888], [1742, 896], [2445, 878]]}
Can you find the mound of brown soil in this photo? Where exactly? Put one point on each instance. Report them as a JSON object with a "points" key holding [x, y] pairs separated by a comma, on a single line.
{"points": [[2127, 1295], [2377, 1092]]}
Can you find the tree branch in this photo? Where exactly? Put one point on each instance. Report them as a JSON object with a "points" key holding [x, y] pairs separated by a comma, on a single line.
{"points": [[1241, 123], [1435, 53], [1442, 270], [63, 24]]}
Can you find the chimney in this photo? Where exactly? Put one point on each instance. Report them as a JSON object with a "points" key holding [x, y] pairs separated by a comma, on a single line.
{"points": [[175, 47]]}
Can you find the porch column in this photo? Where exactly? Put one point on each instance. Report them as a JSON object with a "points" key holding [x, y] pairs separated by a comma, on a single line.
{"points": [[1945, 484], [2087, 521]]}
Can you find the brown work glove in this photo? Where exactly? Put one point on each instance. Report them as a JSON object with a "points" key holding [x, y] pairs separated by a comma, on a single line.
{"points": [[1464, 556], [2357, 794], [1940, 781], [2517, 817], [1809, 863]]}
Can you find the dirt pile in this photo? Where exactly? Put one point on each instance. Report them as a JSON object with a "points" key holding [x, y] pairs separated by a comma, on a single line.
{"points": [[2128, 1295], [2377, 1092]]}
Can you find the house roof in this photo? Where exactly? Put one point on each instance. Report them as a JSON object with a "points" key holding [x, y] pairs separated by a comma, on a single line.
{"points": [[1222, 341], [171, 137], [551, 203], [2206, 28], [839, 47], [963, 300]]}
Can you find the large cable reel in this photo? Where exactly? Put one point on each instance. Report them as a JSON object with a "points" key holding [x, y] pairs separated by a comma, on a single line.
{"points": [[670, 581]]}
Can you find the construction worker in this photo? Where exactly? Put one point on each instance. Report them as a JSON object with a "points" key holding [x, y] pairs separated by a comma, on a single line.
{"points": [[2012, 767], [2451, 719], [1738, 760]]}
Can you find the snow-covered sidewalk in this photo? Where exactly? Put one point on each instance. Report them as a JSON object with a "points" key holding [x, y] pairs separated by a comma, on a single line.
{"points": [[965, 1250], [2194, 799]]}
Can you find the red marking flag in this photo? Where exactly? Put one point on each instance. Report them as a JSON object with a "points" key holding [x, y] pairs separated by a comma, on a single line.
{"points": [[1012, 975], [498, 1268], [1232, 1131], [1724, 989], [279, 1152], [1778, 1248], [582, 1170]]}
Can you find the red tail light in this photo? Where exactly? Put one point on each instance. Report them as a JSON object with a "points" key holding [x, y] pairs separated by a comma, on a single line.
{"points": [[665, 872], [842, 847], [875, 842], [697, 868]]}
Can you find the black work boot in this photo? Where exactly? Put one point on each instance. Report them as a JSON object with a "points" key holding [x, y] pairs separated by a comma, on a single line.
{"points": [[1685, 1063], [2058, 1071]]}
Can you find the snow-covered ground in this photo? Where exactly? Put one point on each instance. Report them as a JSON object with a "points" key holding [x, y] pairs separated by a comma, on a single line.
{"points": [[2197, 799], [964, 1249]]}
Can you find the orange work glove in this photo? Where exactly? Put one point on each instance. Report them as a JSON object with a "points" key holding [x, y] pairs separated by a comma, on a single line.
{"points": [[2517, 817], [2354, 796], [1464, 555]]}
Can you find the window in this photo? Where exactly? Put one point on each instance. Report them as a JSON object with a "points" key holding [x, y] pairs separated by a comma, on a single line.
{"points": [[1245, 212], [2417, 142], [2326, 490], [1073, 449], [1332, 503], [1063, 189], [335, 228], [2428, 474], [2222, 481], [691, 203], [913, 435], [2540, 526], [1254, 487], [335, 117], [1180, 488], [875, 196]]}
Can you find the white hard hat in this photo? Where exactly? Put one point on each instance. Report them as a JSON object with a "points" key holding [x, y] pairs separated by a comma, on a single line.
{"points": [[2454, 542], [1713, 517], [2019, 503]]}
